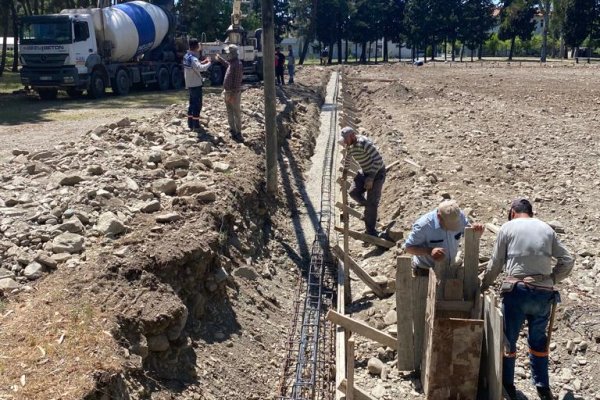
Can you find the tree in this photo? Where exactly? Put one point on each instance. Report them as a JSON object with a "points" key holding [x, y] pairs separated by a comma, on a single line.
{"points": [[516, 21], [392, 24], [557, 24], [579, 16], [545, 9], [415, 22], [476, 23], [304, 15]]}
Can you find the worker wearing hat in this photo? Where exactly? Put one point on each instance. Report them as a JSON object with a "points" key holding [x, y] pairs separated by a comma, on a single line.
{"points": [[232, 91], [370, 177], [435, 237], [525, 247]]}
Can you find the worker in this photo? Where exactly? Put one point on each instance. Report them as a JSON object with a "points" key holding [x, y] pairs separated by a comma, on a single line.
{"points": [[435, 237], [279, 66], [291, 62], [192, 69], [369, 178], [525, 246], [232, 91], [324, 56]]}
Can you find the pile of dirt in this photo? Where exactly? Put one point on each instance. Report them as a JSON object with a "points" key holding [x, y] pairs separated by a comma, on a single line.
{"points": [[142, 262], [483, 136]]}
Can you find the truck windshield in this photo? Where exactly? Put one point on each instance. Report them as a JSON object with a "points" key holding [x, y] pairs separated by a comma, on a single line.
{"points": [[57, 31]]}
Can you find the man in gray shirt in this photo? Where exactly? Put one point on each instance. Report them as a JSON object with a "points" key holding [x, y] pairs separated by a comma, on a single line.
{"points": [[525, 247]]}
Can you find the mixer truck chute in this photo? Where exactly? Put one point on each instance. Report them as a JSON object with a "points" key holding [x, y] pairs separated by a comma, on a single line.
{"points": [[120, 46]]}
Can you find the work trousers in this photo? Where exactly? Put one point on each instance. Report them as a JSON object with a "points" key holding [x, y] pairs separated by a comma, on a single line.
{"points": [[234, 111], [195, 107], [279, 75], [291, 73], [525, 302], [371, 203]]}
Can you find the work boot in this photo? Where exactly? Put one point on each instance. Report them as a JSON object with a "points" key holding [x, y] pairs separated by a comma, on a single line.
{"points": [[237, 136], [511, 392], [545, 393]]}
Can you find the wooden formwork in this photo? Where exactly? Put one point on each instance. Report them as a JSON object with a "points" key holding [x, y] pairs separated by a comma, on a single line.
{"points": [[440, 330]]}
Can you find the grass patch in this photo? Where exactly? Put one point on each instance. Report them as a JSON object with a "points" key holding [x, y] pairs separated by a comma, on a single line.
{"points": [[9, 82]]}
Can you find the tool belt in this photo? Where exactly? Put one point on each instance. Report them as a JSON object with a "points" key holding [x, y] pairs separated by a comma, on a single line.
{"points": [[530, 281]]}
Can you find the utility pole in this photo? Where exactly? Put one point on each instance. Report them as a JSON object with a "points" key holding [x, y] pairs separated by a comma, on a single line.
{"points": [[269, 84]]}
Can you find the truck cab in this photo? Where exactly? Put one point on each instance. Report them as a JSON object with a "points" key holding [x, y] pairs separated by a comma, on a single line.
{"points": [[58, 51]]}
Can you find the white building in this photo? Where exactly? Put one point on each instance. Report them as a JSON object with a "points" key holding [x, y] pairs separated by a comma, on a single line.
{"points": [[394, 49], [10, 43]]}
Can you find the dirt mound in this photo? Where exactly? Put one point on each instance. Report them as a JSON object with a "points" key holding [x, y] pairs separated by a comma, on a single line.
{"points": [[170, 259]]}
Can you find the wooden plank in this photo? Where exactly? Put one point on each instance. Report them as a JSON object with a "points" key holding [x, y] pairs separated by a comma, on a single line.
{"points": [[343, 183], [411, 162], [350, 368], [355, 213], [491, 363], [386, 80], [454, 305], [359, 394], [471, 263], [367, 238], [455, 355], [362, 329], [493, 228], [361, 273], [453, 289], [392, 165], [429, 330], [346, 225], [419, 294], [404, 311], [340, 335]]}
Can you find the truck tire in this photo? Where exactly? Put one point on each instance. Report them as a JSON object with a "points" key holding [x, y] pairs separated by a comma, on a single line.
{"points": [[48, 94], [121, 84], [74, 93], [163, 78], [216, 75], [97, 86], [176, 78]]}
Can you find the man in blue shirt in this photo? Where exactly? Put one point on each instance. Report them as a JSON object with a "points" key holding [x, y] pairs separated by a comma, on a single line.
{"points": [[436, 236]]}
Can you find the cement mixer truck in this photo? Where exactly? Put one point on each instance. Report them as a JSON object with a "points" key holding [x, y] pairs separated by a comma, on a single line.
{"points": [[120, 46]]}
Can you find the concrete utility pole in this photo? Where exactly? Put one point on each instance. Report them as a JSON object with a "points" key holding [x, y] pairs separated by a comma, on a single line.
{"points": [[269, 83]]}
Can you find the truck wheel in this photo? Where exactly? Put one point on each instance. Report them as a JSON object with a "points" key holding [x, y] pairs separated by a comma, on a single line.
{"points": [[216, 76], [48, 94], [163, 78], [176, 78], [74, 93], [97, 86], [121, 83]]}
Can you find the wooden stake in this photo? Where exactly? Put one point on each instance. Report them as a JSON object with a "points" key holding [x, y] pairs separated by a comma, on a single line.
{"points": [[471, 263], [349, 367], [362, 329], [367, 238], [365, 277]]}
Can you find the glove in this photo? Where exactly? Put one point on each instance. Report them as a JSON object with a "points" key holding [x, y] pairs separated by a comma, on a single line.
{"points": [[369, 184]]}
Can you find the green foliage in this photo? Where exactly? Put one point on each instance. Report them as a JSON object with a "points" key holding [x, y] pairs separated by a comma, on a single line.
{"points": [[476, 22], [578, 19], [517, 19]]}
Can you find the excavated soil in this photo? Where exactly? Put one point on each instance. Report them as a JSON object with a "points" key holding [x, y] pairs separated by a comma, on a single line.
{"points": [[483, 135], [186, 293]]}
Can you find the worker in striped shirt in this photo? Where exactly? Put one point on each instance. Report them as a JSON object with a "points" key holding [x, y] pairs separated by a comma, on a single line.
{"points": [[370, 177]]}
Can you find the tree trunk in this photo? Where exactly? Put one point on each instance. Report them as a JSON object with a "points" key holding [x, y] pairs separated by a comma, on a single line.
{"points": [[445, 50], [385, 50], [432, 51], [356, 58], [346, 53], [545, 30], [304, 50], [512, 47], [15, 21], [363, 55], [472, 51], [369, 53], [462, 51], [453, 49], [562, 47], [4, 43], [576, 54], [339, 43], [330, 46], [376, 49], [413, 52], [480, 52]]}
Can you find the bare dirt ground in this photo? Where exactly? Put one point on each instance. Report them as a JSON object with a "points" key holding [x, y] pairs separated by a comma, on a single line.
{"points": [[485, 135], [186, 292]]}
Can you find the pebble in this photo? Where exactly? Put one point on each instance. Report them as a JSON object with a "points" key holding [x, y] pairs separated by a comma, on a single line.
{"points": [[170, 217], [67, 243], [375, 366]]}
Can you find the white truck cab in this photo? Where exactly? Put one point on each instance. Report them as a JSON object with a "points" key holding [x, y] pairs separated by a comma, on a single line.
{"points": [[58, 51]]}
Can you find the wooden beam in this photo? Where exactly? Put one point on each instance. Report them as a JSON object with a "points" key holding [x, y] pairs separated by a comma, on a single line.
{"points": [[454, 305], [340, 336], [411, 162], [346, 223], [491, 365], [362, 329], [359, 394], [493, 228], [404, 312], [356, 214], [364, 276], [392, 165], [471, 263], [386, 80], [350, 368], [419, 294], [367, 238]]}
